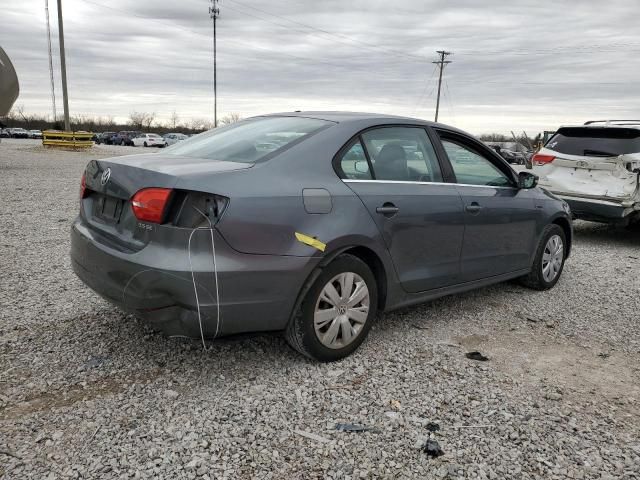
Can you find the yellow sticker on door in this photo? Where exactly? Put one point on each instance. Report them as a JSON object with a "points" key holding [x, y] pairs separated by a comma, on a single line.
{"points": [[312, 242]]}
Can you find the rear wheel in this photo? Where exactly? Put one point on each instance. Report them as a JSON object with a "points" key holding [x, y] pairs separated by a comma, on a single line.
{"points": [[145, 144], [337, 312], [549, 261]]}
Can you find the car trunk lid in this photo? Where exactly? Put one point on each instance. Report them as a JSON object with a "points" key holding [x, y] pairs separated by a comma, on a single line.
{"points": [[111, 183]]}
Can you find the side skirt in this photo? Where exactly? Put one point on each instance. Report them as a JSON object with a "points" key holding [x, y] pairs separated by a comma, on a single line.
{"points": [[422, 297]]}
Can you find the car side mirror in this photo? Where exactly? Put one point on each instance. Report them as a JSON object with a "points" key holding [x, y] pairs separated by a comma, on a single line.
{"points": [[527, 180]]}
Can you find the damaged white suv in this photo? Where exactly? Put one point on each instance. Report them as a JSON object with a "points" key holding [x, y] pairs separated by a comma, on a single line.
{"points": [[595, 168]]}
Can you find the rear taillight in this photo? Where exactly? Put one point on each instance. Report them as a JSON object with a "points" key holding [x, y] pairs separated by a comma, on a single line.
{"points": [[541, 159], [150, 204], [83, 187]]}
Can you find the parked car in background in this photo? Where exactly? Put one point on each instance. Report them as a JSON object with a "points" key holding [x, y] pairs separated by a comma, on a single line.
{"points": [[345, 215], [125, 137], [171, 138], [18, 133], [513, 157], [149, 140], [595, 167], [104, 137], [4, 132], [35, 134]]}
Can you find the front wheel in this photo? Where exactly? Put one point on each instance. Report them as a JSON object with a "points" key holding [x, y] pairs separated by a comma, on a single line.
{"points": [[549, 261], [337, 312], [145, 144]]}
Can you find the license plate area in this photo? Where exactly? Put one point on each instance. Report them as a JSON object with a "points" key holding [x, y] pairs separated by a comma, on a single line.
{"points": [[108, 209]]}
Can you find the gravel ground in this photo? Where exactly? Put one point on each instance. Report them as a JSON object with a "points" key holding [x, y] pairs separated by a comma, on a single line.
{"points": [[89, 392]]}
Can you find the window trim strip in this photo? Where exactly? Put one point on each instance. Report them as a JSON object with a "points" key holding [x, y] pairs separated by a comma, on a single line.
{"points": [[406, 182]]}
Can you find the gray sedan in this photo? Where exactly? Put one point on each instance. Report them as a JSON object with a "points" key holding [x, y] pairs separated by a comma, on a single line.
{"points": [[311, 223]]}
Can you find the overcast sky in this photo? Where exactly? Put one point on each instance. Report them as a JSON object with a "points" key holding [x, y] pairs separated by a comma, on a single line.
{"points": [[516, 65]]}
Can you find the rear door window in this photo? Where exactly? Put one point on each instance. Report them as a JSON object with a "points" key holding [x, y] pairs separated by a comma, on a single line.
{"points": [[595, 141], [402, 154]]}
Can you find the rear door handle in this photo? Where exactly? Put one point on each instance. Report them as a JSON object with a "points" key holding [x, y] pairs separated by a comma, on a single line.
{"points": [[473, 208], [388, 209]]}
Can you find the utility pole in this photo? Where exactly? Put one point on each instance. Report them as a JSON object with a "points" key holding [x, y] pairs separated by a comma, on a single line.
{"points": [[63, 69], [214, 13], [53, 90], [441, 63]]}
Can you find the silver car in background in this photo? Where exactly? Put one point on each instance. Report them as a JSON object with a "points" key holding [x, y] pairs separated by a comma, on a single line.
{"points": [[310, 223], [171, 138]]}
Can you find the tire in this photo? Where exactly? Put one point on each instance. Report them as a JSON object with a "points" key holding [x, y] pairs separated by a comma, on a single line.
{"points": [[536, 279], [301, 331], [145, 144]]}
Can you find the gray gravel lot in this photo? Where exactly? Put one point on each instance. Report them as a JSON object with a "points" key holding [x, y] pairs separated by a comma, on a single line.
{"points": [[89, 392]]}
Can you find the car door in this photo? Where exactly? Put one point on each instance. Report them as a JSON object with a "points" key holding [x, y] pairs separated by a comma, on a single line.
{"points": [[396, 173], [500, 218]]}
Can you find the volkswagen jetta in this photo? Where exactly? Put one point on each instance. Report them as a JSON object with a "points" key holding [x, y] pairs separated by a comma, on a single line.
{"points": [[310, 223]]}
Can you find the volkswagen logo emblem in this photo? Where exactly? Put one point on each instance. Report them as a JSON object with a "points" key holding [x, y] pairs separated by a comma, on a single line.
{"points": [[106, 175]]}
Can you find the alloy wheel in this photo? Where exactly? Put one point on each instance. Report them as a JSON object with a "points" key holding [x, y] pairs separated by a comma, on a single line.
{"points": [[552, 258], [341, 310]]}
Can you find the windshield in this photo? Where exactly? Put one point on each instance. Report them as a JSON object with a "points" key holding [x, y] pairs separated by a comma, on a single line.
{"points": [[595, 142], [249, 141]]}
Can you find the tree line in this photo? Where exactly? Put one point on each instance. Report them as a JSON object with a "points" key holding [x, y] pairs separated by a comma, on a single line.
{"points": [[143, 121]]}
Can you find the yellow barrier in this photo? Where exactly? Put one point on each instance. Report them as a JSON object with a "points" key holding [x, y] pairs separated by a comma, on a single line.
{"points": [[55, 138]]}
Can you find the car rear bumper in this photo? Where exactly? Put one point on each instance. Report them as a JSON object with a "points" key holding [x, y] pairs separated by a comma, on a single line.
{"points": [[254, 292], [599, 210]]}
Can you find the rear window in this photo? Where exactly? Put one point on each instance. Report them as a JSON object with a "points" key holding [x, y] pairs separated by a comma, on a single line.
{"points": [[595, 141], [249, 141]]}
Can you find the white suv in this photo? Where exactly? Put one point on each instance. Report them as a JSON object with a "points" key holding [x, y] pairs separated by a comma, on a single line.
{"points": [[595, 167]]}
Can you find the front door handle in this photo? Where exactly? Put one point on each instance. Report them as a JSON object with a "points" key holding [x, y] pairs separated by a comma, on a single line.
{"points": [[388, 209], [474, 208]]}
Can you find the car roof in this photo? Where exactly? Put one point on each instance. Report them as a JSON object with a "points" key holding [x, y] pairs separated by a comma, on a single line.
{"points": [[364, 119], [345, 117], [607, 124]]}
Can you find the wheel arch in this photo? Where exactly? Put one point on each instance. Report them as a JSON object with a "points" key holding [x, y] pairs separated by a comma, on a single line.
{"points": [[568, 233], [367, 255]]}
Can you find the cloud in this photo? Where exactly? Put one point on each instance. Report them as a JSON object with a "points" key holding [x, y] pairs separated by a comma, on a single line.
{"points": [[516, 65]]}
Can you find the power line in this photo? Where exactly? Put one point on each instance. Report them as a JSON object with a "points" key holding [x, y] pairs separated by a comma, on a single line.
{"points": [[447, 96], [441, 63], [332, 34], [424, 91], [236, 42], [572, 49]]}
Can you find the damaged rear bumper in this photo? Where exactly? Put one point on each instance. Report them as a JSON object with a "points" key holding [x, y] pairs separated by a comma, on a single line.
{"points": [[601, 209], [250, 293]]}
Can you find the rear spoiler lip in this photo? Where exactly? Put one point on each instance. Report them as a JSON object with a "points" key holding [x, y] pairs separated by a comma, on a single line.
{"points": [[630, 122]]}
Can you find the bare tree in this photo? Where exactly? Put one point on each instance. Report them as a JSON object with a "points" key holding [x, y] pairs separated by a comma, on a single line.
{"points": [[230, 118], [173, 120], [495, 137], [19, 113], [137, 119], [200, 124], [149, 120]]}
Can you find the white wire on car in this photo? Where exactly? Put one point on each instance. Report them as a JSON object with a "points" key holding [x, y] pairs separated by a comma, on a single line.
{"points": [[215, 275]]}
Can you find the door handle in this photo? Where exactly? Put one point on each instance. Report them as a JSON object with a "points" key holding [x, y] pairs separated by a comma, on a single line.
{"points": [[388, 209], [473, 208]]}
